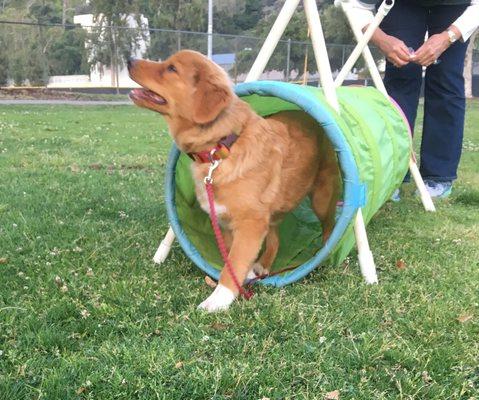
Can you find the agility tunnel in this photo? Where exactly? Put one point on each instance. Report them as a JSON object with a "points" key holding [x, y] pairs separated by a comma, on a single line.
{"points": [[372, 141]]}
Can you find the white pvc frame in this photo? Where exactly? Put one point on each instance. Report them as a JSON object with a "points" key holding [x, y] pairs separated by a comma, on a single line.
{"points": [[365, 256], [362, 46]]}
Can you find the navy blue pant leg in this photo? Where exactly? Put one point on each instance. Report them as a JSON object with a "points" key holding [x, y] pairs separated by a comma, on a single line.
{"points": [[444, 103], [407, 22], [444, 87]]}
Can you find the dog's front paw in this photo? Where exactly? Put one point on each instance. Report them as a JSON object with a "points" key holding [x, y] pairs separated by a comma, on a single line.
{"points": [[259, 270], [251, 275], [219, 300]]}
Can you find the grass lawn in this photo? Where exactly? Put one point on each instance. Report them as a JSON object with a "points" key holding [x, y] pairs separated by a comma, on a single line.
{"points": [[84, 313]]}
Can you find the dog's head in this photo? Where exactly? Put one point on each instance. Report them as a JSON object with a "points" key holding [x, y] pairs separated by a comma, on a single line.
{"points": [[187, 85]]}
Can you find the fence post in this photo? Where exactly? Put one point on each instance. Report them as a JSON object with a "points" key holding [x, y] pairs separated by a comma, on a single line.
{"points": [[236, 60], [288, 55], [178, 41], [115, 66], [210, 29]]}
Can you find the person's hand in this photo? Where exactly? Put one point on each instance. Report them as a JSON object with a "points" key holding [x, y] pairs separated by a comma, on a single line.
{"points": [[432, 49], [394, 49]]}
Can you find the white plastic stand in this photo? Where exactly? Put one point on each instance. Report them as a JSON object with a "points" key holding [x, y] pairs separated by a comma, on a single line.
{"points": [[366, 261], [362, 47], [164, 247]]}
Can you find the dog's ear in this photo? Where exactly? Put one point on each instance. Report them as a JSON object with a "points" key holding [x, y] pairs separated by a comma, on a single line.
{"points": [[212, 94]]}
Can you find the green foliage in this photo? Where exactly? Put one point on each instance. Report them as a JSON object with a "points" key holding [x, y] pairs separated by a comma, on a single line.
{"points": [[331, 19], [36, 68], [44, 13], [4, 62], [235, 20], [296, 31], [176, 15], [17, 71], [68, 55]]}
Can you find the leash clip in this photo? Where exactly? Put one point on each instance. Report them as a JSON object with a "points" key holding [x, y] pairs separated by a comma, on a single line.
{"points": [[214, 164]]}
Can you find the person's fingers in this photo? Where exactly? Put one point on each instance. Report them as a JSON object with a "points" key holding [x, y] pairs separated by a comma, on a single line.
{"points": [[422, 57], [403, 52], [428, 62], [425, 54], [404, 58], [399, 50], [397, 62]]}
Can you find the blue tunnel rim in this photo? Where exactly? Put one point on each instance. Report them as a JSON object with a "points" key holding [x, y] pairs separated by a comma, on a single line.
{"points": [[353, 192]]}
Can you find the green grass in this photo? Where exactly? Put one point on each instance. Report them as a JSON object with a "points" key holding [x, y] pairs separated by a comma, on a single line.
{"points": [[84, 313]]}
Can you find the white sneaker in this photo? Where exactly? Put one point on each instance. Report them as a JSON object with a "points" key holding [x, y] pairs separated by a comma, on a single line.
{"points": [[438, 190]]}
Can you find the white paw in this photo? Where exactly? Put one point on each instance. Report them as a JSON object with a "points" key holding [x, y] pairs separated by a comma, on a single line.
{"points": [[220, 299], [258, 269], [251, 275]]}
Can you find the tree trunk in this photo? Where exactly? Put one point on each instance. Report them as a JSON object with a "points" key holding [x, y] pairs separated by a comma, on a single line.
{"points": [[64, 13], [112, 56], [468, 66], [117, 64]]}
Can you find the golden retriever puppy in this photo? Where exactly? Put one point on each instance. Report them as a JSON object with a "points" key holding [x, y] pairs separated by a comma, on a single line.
{"points": [[272, 165]]}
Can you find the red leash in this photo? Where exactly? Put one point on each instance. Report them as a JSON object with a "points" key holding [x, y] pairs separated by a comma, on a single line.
{"points": [[247, 294]]}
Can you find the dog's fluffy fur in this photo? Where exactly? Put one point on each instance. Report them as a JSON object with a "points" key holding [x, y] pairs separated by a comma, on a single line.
{"points": [[273, 165]]}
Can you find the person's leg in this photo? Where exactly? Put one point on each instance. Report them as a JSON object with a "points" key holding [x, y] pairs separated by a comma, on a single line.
{"points": [[444, 104], [407, 22]]}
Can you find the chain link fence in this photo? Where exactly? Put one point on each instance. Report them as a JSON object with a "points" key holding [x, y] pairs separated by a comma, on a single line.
{"points": [[41, 54], [92, 55]]}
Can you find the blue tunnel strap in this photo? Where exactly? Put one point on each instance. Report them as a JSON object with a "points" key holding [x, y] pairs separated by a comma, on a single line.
{"points": [[358, 197]]}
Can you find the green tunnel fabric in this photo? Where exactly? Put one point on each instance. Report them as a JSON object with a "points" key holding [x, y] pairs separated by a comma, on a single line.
{"points": [[379, 141]]}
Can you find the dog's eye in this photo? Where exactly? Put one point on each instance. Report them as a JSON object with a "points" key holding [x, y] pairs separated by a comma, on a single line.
{"points": [[171, 68]]}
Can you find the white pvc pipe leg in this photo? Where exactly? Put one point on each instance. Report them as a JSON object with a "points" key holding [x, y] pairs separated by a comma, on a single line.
{"points": [[321, 53], [368, 57], [421, 187], [362, 43], [365, 256], [272, 40], [164, 247]]}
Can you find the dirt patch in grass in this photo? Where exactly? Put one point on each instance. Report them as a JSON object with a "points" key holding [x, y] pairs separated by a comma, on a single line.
{"points": [[55, 94]]}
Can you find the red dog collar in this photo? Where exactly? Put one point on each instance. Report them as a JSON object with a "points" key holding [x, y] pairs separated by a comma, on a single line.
{"points": [[219, 152]]}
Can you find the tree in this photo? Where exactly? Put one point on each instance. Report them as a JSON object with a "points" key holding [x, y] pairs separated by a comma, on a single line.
{"points": [[175, 15], [3, 64], [18, 70], [336, 30], [468, 64], [37, 68], [111, 42], [68, 53]]}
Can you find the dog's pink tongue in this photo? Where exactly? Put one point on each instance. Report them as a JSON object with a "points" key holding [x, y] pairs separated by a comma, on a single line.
{"points": [[156, 97], [141, 93], [135, 93]]}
